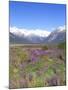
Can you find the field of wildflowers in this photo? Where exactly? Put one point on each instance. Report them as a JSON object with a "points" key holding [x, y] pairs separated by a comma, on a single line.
{"points": [[36, 67]]}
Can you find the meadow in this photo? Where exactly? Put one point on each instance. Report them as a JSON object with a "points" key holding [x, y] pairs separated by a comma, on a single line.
{"points": [[37, 66]]}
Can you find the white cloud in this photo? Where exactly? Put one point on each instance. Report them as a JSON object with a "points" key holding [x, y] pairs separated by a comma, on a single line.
{"points": [[38, 32], [60, 28]]}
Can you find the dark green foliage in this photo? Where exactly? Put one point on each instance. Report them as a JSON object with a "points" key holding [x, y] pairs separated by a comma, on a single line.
{"points": [[62, 45], [45, 47]]}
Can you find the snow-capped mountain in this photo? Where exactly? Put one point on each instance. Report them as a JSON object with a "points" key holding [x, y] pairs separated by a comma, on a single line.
{"points": [[26, 32], [58, 35], [14, 38], [36, 36], [27, 36]]}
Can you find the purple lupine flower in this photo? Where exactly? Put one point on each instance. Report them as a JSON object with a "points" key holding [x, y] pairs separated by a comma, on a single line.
{"points": [[43, 52], [34, 53], [33, 58]]}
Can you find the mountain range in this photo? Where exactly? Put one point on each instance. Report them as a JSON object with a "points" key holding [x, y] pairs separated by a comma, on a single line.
{"points": [[34, 37]]}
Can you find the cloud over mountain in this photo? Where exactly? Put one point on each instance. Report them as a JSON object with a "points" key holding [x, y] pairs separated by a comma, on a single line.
{"points": [[26, 32]]}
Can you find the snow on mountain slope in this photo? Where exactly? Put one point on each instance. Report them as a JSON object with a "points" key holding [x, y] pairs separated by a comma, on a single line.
{"points": [[57, 35]]}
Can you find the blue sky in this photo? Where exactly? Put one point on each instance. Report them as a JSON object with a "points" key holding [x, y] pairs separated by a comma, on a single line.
{"points": [[36, 15]]}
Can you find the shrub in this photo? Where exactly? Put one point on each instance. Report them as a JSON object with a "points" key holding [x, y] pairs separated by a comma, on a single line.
{"points": [[62, 45], [45, 47]]}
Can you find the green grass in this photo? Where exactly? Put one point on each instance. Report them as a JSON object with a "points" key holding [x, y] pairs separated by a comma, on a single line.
{"points": [[49, 73], [33, 68]]}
